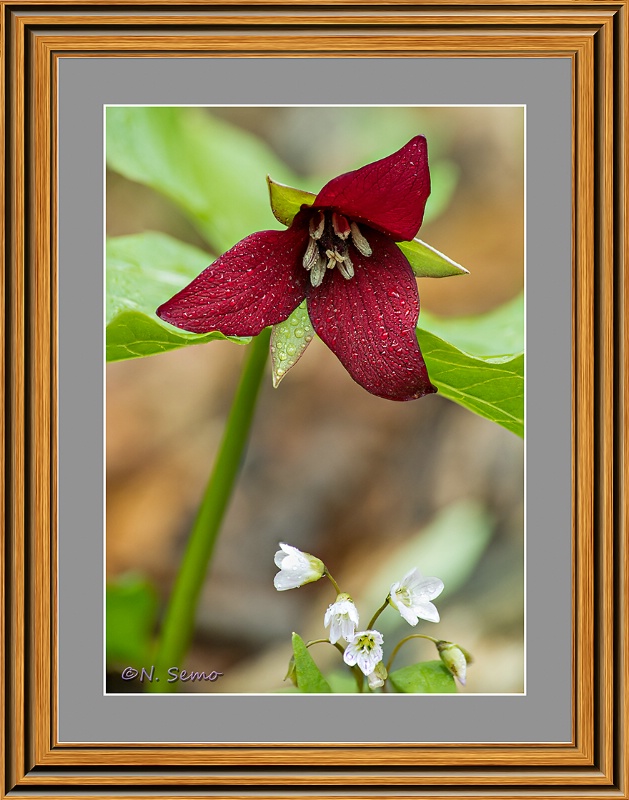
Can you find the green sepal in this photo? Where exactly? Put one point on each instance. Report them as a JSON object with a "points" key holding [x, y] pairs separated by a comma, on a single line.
{"points": [[289, 339], [427, 677], [426, 262], [309, 678], [287, 201]]}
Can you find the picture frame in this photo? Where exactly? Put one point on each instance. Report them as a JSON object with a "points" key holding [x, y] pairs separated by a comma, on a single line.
{"points": [[35, 38]]}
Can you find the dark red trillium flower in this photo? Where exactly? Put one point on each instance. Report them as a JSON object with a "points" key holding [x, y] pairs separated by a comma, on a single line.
{"points": [[340, 256]]}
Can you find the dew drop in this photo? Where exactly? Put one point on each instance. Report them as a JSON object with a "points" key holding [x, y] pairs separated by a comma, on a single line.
{"points": [[299, 332], [291, 349]]}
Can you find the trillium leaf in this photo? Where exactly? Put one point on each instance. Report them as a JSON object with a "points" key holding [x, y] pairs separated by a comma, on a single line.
{"points": [[493, 333], [287, 201], [426, 262], [309, 677], [427, 677], [289, 339], [492, 387], [212, 170], [143, 271]]}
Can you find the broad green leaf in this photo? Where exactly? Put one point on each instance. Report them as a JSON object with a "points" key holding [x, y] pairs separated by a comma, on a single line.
{"points": [[131, 613], [428, 677], [493, 333], [309, 678], [287, 201], [492, 387], [426, 262], [211, 169], [143, 271], [289, 339]]}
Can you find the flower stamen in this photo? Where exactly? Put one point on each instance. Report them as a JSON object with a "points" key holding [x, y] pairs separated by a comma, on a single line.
{"points": [[360, 243], [346, 267], [317, 225], [311, 256], [328, 246], [318, 271]]}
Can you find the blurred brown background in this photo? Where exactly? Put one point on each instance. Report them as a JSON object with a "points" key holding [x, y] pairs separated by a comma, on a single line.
{"points": [[370, 486]]}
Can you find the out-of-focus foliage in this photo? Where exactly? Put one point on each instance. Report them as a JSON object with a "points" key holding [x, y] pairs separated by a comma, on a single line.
{"points": [[131, 605]]}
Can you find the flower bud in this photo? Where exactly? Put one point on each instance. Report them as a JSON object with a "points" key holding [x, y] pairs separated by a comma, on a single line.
{"points": [[378, 676], [296, 568], [455, 658]]}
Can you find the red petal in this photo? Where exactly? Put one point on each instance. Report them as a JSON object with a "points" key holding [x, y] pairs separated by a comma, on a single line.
{"points": [[389, 195], [259, 282], [369, 322]]}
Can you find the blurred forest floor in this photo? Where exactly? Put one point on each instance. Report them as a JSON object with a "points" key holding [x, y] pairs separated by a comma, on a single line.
{"points": [[370, 486]]}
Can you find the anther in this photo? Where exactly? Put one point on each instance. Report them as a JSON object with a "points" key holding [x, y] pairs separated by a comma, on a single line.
{"points": [[311, 256], [346, 268], [317, 272], [360, 243], [316, 225]]}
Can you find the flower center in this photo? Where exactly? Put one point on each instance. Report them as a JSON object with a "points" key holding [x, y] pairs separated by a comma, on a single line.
{"points": [[328, 245]]}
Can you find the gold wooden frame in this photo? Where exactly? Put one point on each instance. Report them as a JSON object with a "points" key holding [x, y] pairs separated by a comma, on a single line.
{"points": [[594, 36]]}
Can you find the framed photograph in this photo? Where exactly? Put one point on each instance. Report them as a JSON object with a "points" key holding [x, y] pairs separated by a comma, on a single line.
{"points": [[144, 653]]}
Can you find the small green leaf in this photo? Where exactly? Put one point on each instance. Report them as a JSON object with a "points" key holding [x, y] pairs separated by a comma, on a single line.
{"points": [[143, 271], [492, 387], [309, 678], [289, 339], [426, 262], [287, 201], [131, 613], [428, 677]]}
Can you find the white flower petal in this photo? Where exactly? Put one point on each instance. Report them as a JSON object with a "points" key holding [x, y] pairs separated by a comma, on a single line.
{"points": [[430, 588], [427, 611], [408, 615], [365, 650], [282, 581], [296, 568], [342, 618], [412, 595]]}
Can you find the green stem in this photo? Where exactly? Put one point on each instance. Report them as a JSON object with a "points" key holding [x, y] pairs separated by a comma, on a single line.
{"points": [[407, 639], [334, 583], [179, 619], [377, 614]]}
